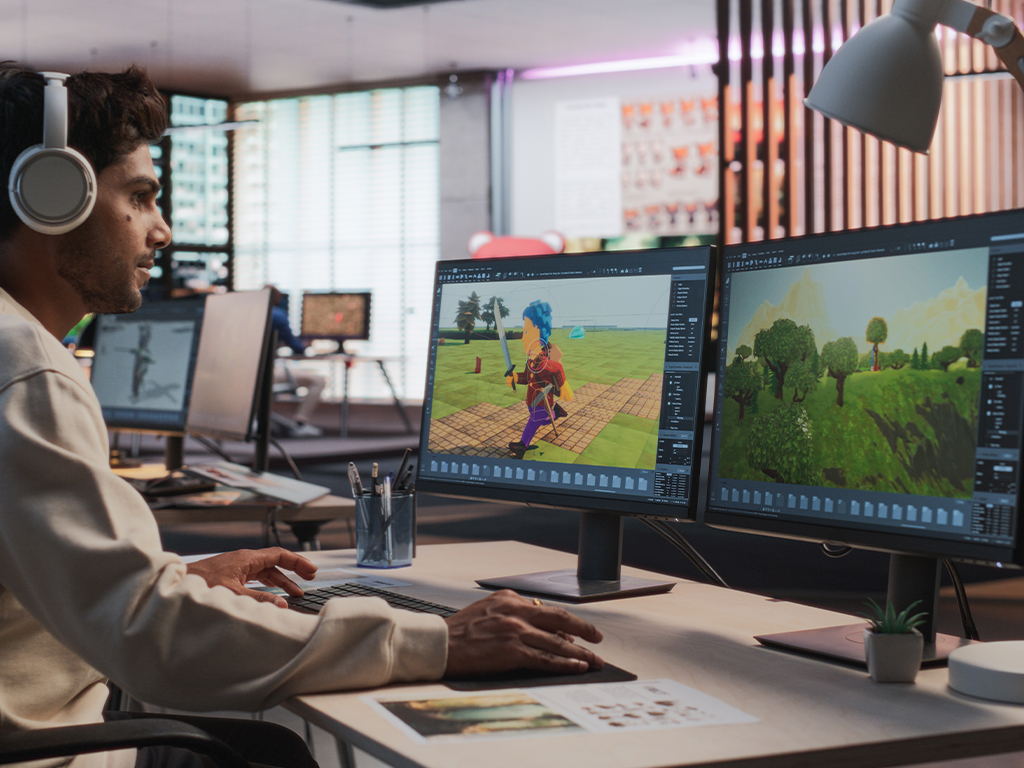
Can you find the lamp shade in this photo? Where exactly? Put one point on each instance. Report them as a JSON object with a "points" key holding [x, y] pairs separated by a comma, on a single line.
{"points": [[886, 80]]}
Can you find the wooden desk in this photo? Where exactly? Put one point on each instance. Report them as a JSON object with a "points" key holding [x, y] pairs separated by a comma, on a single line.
{"points": [[812, 713], [305, 520]]}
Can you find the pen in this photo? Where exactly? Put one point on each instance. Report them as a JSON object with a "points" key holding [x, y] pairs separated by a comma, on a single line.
{"points": [[354, 480], [403, 483], [401, 467], [386, 509], [374, 490]]}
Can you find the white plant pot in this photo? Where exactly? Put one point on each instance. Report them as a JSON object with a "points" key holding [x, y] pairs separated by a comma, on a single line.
{"points": [[893, 658]]}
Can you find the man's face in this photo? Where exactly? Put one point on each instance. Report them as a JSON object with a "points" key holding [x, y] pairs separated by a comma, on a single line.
{"points": [[107, 259]]}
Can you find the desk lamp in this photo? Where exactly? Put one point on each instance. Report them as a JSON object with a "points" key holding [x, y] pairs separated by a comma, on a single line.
{"points": [[886, 80]]}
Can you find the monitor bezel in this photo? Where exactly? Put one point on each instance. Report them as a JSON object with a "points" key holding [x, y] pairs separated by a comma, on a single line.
{"points": [[575, 503], [142, 426], [220, 434], [365, 336], [717, 514]]}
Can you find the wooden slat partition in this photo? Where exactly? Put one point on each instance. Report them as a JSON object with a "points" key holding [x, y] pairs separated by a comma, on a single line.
{"points": [[831, 177]]}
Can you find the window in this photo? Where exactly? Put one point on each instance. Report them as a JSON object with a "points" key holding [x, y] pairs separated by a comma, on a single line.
{"points": [[341, 192]]}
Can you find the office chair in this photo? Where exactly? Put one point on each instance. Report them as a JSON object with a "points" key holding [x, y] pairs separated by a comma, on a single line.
{"points": [[22, 746]]}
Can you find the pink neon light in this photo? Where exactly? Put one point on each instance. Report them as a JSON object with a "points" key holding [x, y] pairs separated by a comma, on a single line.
{"points": [[701, 51]]}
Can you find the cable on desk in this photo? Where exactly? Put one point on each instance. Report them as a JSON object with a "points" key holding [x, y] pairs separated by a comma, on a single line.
{"points": [[970, 629], [212, 447], [270, 526], [676, 539], [292, 465], [831, 550]]}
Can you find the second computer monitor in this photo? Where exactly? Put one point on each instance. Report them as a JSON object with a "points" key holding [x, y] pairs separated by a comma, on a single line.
{"points": [[142, 365], [230, 363], [573, 382], [337, 316]]}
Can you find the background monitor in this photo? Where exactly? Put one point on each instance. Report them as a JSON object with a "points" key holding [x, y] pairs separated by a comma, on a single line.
{"points": [[869, 395], [142, 365], [338, 316], [627, 331], [229, 365]]}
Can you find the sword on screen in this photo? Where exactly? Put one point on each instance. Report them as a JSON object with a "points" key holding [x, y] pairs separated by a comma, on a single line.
{"points": [[500, 328]]}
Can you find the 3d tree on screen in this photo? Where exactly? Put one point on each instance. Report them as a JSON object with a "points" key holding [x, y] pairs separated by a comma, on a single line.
{"points": [[946, 356], [898, 359], [488, 314], [925, 365], [804, 376], [781, 345], [972, 343], [877, 333], [840, 358], [743, 351], [743, 382], [780, 444], [469, 313]]}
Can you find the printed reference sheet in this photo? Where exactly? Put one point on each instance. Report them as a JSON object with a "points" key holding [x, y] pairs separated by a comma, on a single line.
{"points": [[593, 708]]}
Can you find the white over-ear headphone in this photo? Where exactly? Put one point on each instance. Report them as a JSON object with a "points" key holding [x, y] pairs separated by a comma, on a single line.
{"points": [[52, 187]]}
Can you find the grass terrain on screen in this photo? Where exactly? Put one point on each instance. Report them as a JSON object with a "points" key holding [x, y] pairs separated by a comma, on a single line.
{"points": [[612, 359], [859, 374]]}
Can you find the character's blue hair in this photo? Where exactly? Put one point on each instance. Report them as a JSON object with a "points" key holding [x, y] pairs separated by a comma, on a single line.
{"points": [[539, 313]]}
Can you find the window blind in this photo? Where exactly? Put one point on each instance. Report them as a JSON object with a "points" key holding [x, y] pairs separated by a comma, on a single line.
{"points": [[341, 192]]}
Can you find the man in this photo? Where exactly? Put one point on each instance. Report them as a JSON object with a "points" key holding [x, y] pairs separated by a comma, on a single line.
{"points": [[313, 384], [86, 591]]}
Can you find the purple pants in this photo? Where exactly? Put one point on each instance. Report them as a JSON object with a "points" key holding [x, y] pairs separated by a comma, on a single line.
{"points": [[538, 418]]}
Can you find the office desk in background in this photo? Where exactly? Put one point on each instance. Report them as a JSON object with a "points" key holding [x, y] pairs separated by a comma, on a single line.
{"points": [[812, 713], [347, 362], [305, 520]]}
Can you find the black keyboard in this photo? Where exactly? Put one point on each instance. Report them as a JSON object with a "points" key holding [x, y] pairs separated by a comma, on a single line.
{"points": [[314, 599]]}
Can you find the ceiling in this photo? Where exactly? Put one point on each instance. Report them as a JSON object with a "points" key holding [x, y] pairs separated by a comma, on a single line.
{"points": [[245, 47]]}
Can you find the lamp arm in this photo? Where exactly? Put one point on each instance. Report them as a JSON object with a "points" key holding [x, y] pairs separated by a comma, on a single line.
{"points": [[990, 27]]}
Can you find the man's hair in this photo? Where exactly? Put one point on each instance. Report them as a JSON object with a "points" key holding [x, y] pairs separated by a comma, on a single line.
{"points": [[109, 117]]}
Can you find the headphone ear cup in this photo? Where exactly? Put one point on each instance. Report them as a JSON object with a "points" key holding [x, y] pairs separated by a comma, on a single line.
{"points": [[52, 190]]}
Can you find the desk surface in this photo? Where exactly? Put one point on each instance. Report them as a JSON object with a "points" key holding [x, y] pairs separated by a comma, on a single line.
{"points": [[811, 712]]}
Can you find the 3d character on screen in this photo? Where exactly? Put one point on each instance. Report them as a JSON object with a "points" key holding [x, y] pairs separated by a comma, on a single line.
{"points": [[544, 376]]}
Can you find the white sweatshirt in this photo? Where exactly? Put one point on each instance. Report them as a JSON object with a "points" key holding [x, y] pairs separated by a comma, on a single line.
{"points": [[87, 592]]}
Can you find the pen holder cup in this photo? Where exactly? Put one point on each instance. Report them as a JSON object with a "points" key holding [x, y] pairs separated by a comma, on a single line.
{"points": [[382, 540]]}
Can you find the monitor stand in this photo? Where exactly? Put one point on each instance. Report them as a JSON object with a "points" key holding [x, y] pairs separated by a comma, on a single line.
{"points": [[911, 578], [598, 575]]}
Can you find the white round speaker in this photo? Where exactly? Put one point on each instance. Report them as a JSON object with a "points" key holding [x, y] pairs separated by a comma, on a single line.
{"points": [[993, 671], [52, 187]]}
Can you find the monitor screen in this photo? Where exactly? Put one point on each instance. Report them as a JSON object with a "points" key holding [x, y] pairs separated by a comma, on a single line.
{"points": [[232, 352], [142, 365], [605, 354], [869, 388], [340, 316]]}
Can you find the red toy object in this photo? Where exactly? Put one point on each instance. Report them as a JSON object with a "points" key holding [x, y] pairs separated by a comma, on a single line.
{"points": [[484, 245]]}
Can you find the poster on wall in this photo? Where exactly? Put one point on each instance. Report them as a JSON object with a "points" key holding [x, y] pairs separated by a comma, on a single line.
{"points": [[670, 162], [588, 170]]}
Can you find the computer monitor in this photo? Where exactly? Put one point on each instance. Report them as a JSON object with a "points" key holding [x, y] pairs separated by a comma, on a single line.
{"points": [[338, 316], [868, 395], [233, 351], [607, 412], [142, 365]]}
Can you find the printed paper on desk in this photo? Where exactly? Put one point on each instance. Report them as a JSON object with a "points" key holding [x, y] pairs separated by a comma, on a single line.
{"points": [[639, 705], [461, 716], [265, 483], [557, 709]]}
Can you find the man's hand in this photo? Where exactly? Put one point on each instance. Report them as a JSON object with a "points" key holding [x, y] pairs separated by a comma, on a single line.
{"points": [[505, 631], [234, 569]]}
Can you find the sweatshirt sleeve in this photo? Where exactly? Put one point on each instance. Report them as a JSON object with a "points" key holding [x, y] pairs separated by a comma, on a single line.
{"points": [[80, 550]]}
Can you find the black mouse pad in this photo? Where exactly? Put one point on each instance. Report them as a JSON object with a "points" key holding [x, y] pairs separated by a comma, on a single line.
{"points": [[529, 678]]}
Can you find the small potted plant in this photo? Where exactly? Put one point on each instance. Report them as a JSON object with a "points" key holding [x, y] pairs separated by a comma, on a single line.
{"points": [[892, 643]]}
